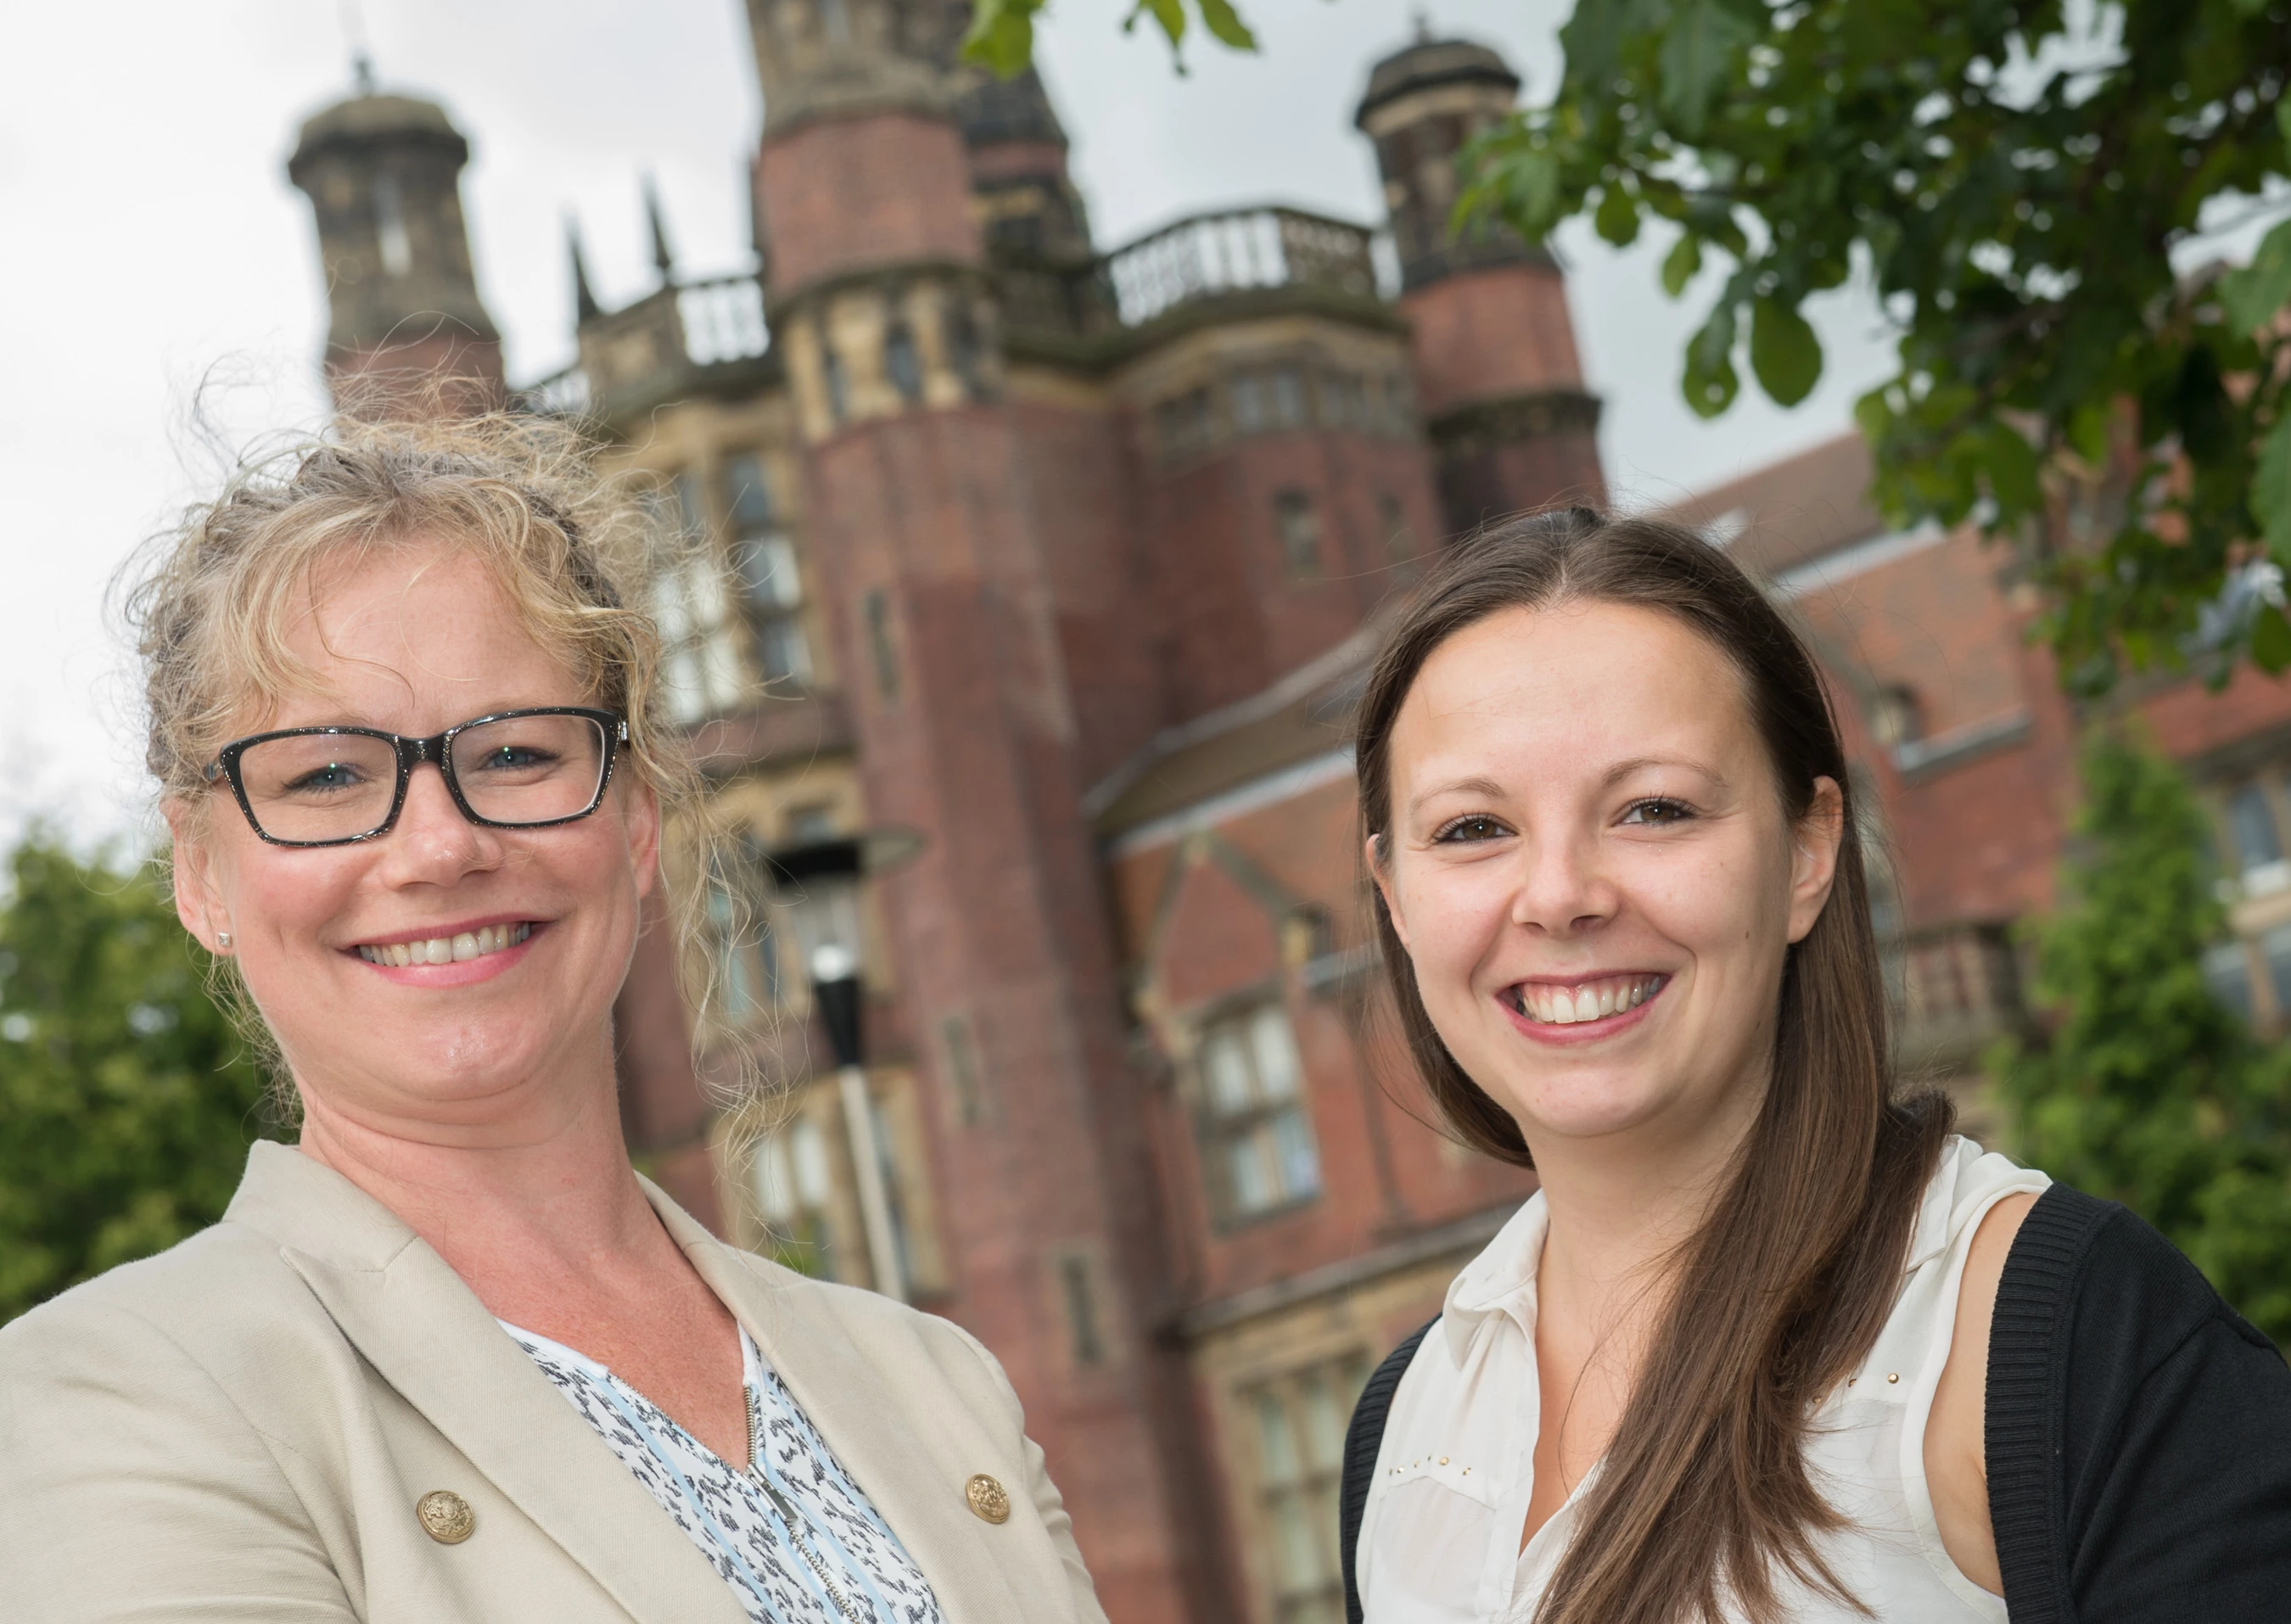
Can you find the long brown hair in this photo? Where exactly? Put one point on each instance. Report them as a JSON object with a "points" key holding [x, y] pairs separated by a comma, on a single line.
{"points": [[1705, 1492]]}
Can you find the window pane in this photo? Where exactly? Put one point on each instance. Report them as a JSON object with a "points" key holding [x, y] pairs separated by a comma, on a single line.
{"points": [[1325, 1422], [2275, 947], [2229, 972], [807, 1152], [1276, 1441], [727, 684], [1249, 1169], [1298, 1162], [1275, 1051], [1297, 1548], [774, 1181], [782, 651], [751, 497], [691, 513], [2253, 827], [1287, 397], [768, 574], [1248, 393], [1225, 1068]]}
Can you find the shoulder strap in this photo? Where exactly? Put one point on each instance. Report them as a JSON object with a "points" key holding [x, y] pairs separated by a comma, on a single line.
{"points": [[2028, 1355], [1362, 1439]]}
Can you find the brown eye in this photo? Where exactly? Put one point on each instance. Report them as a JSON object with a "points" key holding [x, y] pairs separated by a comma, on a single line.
{"points": [[1474, 827], [1656, 810]]}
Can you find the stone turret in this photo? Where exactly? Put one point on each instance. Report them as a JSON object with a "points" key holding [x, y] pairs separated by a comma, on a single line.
{"points": [[1496, 375], [407, 329]]}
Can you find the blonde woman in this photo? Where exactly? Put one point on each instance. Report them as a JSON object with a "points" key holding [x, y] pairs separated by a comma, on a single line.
{"points": [[450, 1357]]}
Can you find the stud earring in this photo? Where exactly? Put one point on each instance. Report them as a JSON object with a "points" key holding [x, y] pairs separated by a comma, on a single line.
{"points": [[223, 940]]}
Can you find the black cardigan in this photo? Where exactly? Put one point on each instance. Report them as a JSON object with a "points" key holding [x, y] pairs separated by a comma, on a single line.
{"points": [[2138, 1434]]}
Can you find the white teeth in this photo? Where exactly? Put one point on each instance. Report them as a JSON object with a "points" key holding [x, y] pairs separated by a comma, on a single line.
{"points": [[447, 950], [1555, 1005]]}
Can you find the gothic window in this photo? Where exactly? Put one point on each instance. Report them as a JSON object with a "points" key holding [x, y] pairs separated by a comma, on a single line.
{"points": [[962, 348], [1299, 528], [1284, 389], [1399, 404], [1296, 1425], [1399, 541], [902, 363], [1343, 402], [771, 581], [1078, 1292], [875, 609], [1894, 717], [1258, 1139], [700, 668], [1245, 398]]}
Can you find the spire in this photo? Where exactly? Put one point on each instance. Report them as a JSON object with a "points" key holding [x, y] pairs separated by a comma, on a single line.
{"points": [[585, 307], [362, 73], [661, 257]]}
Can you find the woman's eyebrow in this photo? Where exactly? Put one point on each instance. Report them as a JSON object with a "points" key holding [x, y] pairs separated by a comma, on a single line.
{"points": [[1475, 785], [1624, 769]]}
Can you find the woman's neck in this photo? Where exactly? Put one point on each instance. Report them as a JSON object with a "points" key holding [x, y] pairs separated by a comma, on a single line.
{"points": [[1621, 1208], [541, 1189]]}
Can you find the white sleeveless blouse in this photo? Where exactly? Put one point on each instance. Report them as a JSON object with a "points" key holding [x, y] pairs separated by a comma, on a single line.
{"points": [[1439, 1540]]}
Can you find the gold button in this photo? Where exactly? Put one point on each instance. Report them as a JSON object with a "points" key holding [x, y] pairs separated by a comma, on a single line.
{"points": [[446, 1516], [987, 1498], [1892, 1375]]}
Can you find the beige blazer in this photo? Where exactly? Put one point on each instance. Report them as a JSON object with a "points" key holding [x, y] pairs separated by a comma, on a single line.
{"points": [[238, 1430]]}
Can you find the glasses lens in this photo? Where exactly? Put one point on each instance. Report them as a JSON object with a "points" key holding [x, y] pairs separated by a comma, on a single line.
{"points": [[319, 786], [530, 769]]}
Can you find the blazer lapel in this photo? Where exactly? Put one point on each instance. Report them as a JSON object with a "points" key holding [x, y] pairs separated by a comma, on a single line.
{"points": [[872, 1431], [425, 1331]]}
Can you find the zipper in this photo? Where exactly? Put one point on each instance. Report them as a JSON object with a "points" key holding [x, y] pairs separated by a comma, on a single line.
{"points": [[798, 1530]]}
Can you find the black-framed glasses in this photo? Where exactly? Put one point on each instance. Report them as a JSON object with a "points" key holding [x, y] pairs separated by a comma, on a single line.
{"points": [[331, 786]]}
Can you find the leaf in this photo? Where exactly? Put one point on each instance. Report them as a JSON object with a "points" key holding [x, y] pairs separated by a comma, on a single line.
{"points": [[1225, 25], [1710, 383], [1696, 57], [1784, 351], [1618, 219], [1681, 265], [1001, 36], [2270, 639], [2013, 473], [2255, 294], [1170, 14], [1593, 37], [2271, 487]]}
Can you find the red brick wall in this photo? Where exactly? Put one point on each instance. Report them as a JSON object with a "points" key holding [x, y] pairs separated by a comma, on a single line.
{"points": [[845, 194], [1486, 335], [999, 920], [1233, 618]]}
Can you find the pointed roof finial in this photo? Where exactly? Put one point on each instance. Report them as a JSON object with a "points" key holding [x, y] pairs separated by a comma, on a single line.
{"points": [[661, 258], [362, 73], [585, 307], [1422, 16]]}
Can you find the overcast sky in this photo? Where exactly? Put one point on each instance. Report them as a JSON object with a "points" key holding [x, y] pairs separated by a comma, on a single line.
{"points": [[154, 258]]}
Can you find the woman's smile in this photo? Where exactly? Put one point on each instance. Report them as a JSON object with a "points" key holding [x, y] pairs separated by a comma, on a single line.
{"points": [[450, 956], [1581, 1009]]}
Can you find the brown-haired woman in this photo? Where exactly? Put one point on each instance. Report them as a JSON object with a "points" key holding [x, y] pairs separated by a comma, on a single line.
{"points": [[1769, 1342], [450, 1358]]}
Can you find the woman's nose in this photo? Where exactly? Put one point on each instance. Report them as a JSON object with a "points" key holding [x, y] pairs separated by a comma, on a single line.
{"points": [[432, 831], [1562, 888]]}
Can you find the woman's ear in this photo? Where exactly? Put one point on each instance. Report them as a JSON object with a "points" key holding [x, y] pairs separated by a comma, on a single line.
{"points": [[198, 901], [1814, 845], [643, 825], [1380, 871]]}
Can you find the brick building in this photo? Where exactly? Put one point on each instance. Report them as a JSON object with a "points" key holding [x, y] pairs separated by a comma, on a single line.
{"points": [[1028, 587]]}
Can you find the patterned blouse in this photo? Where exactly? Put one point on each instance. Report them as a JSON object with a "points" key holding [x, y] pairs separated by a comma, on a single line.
{"points": [[795, 1537]]}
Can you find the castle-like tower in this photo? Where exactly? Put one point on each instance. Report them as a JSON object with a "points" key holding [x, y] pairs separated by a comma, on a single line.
{"points": [[405, 327], [1501, 386]]}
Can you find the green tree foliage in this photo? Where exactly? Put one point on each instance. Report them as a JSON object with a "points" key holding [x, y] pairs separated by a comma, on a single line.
{"points": [[2014, 175], [127, 1100], [1002, 34], [2147, 1090]]}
